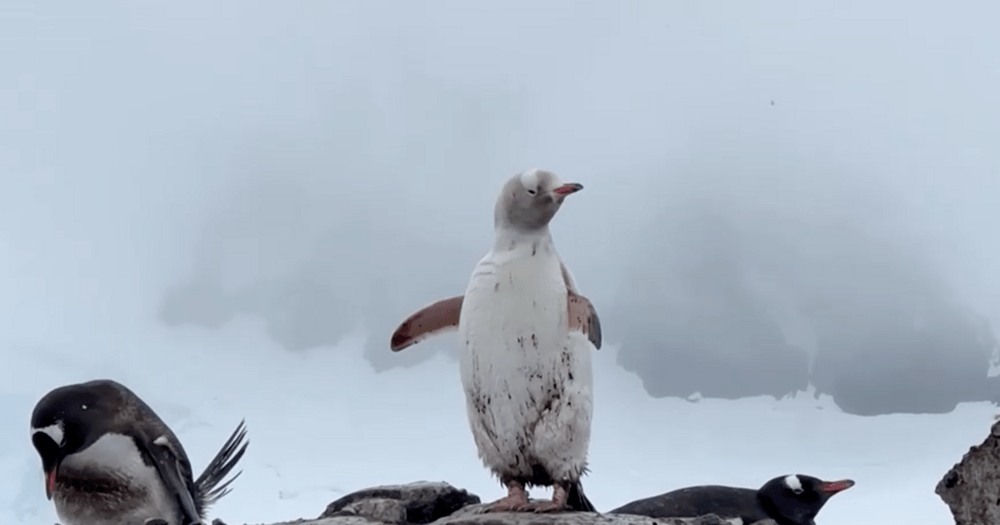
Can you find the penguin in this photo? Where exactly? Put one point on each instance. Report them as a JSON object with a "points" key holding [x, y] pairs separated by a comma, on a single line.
{"points": [[528, 337], [794, 499], [109, 459]]}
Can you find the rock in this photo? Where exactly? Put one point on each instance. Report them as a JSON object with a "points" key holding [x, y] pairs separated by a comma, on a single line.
{"points": [[339, 520], [970, 488], [477, 515], [442, 504], [414, 503], [382, 509]]}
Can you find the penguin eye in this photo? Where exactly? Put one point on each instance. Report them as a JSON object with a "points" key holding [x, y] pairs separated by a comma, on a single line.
{"points": [[797, 490], [532, 192]]}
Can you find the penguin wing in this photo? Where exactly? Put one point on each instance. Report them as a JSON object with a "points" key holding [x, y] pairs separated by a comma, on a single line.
{"points": [[568, 278], [209, 487], [175, 472], [582, 315], [437, 318]]}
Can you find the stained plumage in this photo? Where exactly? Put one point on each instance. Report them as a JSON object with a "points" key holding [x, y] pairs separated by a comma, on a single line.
{"points": [[794, 499], [527, 336], [110, 460]]}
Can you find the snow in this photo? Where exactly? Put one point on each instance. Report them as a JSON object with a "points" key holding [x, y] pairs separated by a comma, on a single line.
{"points": [[322, 424]]}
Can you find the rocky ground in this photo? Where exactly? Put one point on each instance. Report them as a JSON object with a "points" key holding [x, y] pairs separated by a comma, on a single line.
{"points": [[970, 489], [442, 504]]}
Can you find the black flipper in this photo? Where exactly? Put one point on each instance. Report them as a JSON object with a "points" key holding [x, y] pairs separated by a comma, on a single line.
{"points": [[171, 468], [577, 500], [207, 488]]}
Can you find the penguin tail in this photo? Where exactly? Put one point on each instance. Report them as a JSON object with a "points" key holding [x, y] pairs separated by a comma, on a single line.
{"points": [[577, 500], [207, 487]]}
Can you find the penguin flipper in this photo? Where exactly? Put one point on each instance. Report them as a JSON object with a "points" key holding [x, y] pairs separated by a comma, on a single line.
{"points": [[175, 472], [583, 318], [437, 318], [207, 487]]}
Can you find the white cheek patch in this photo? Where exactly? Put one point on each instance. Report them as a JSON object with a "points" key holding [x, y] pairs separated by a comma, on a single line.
{"points": [[54, 431], [794, 483]]}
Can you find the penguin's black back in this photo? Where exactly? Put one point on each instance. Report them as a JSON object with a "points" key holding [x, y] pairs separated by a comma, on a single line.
{"points": [[725, 502]]}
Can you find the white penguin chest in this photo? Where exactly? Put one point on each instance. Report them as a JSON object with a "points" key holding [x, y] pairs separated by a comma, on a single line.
{"points": [[516, 306], [108, 483]]}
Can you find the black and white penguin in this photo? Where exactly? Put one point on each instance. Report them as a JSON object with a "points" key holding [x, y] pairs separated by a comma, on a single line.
{"points": [[110, 460], [789, 500]]}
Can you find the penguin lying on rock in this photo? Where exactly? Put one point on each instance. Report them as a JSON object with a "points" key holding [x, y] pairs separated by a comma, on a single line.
{"points": [[788, 500], [110, 460]]}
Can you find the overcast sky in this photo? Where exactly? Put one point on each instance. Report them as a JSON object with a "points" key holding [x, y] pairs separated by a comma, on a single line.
{"points": [[360, 145]]}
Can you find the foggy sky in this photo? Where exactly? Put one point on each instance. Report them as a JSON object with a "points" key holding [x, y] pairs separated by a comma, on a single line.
{"points": [[327, 167]]}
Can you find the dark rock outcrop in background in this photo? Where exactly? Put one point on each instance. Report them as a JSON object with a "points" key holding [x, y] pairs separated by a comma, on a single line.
{"points": [[727, 297], [315, 264], [421, 503], [905, 362], [971, 487], [690, 323], [730, 300]]}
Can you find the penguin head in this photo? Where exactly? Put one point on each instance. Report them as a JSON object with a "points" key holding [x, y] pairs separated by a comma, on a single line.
{"points": [[796, 499], [69, 419], [530, 199]]}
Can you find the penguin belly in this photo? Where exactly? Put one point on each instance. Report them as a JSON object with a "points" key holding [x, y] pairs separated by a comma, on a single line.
{"points": [[108, 483], [527, 379]]}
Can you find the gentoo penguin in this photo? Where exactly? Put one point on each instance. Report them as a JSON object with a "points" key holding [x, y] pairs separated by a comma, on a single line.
{"points": [[110, 460], [789, 500], [526, 364]]}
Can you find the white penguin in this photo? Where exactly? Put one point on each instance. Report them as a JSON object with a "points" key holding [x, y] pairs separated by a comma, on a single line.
{"points": [[526, 365]]}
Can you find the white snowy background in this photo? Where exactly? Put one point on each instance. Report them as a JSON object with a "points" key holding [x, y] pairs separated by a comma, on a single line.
{"points": [[124, 126]]}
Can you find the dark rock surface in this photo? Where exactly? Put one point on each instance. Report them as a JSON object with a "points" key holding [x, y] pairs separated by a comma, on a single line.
{"points": [[971, 487], [442, 504], [418, 503]]}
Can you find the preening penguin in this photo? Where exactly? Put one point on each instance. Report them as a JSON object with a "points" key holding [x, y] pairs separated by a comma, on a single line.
{"points": [[528, 335], [110, 460]]}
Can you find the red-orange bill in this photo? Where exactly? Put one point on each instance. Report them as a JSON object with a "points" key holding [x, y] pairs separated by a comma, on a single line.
{"points": [[833, 487], [50, 483], [566, 189]]}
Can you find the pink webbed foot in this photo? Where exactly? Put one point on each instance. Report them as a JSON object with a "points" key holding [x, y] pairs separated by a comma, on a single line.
{"points": [[516, 500], [549, 506], [558, 503]]}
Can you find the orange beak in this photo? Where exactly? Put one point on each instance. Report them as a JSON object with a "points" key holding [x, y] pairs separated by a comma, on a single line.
{"points": [[566, 189], [50, 483], [833, 487]]}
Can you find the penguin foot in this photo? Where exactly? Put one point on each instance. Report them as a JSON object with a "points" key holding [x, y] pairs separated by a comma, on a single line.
{"points": [[516, 500], [549, 506], [558, 503]]}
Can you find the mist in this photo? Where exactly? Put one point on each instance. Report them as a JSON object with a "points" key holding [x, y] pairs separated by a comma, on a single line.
{"points": [[777, 197]]}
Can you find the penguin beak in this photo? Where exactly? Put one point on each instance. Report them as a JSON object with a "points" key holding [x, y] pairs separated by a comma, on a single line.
{"points": [[566, 189], [833, 487], [50, 481], [51, 456]]}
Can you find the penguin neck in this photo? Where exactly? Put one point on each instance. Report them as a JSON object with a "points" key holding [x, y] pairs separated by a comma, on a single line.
{"points": [[508, 238], [772, 510]]}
